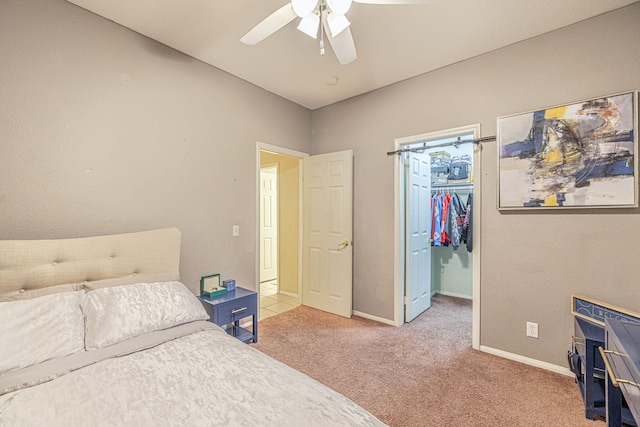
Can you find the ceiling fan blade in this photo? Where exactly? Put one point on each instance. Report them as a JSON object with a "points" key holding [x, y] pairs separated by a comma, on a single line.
{"points": [[342, 44], [395, 1], [270, 25]]}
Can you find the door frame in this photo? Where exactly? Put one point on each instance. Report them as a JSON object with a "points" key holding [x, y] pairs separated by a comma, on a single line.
{"points": [[399, 225], [261, 146]]}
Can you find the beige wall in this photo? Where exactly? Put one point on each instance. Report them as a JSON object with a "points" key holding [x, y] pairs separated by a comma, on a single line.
{"points": [[105, 131], [288, 219], [531, 262]]}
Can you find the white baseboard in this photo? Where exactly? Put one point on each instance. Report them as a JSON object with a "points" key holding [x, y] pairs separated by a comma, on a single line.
{"points": [[371, 317], [528, 361], [451, 294], [289, 294]]}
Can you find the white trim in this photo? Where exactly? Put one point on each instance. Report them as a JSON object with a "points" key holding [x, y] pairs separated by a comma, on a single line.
{"points": [[398, 253], [289, 294], [261, 146], [477, 242], [300, 224], [528, 361], [453, 294], [399, 261], [280, 150], [371, 317]]}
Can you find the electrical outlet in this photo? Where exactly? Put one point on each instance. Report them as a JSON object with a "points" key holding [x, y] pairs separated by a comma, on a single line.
{"points": [[532, 330], [235, 231]]}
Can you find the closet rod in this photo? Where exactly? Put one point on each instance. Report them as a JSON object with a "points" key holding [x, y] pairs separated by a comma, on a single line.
{"points": [[444, 144], [452, 185]]}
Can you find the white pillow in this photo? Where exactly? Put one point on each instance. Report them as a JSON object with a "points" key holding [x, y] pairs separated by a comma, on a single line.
{"points": [[39, 329], [115, 314]]}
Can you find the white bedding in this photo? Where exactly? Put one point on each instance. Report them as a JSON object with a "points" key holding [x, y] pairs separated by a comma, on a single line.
{"points": [[137, 353], [190, 375]]}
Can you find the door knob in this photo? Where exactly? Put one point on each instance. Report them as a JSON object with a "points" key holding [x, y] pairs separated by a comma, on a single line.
{"points": [[343, 245]]}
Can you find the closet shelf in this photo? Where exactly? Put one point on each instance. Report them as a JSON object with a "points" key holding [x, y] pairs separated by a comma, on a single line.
{"points": [[457, 185]]}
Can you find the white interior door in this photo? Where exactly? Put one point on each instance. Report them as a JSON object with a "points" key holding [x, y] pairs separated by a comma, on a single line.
{"points": [[327, 260], [268, 223], [418, 235]]}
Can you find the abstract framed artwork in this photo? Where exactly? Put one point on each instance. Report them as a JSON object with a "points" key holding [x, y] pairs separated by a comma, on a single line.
{"points": [[579, 155]]}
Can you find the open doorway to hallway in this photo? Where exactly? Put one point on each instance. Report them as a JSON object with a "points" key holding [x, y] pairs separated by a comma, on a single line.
{"points": [[273, 302], [279, 229], [315, 232]]}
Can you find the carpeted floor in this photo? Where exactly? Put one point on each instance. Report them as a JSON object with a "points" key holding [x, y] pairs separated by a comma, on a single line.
{"points": [[424, 373]]}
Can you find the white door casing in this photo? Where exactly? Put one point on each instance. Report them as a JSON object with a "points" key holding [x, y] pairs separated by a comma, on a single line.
{"points": [[418, 234], [327, 264], [268, 223]]}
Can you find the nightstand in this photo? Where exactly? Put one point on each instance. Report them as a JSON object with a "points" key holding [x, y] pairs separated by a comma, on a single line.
{"points": [[227, 310]]}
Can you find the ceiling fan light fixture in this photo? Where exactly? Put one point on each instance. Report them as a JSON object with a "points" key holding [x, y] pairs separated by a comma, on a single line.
{"points": [[303, 8], [337, 23], [339, 7], [309, 25]]}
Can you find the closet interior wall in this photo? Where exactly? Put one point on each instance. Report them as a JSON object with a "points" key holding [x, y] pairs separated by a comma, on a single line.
{"points": [[452, 269]]}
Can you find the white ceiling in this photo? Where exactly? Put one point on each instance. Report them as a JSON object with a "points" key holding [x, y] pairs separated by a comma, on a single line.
{"points": [[393, 43]]}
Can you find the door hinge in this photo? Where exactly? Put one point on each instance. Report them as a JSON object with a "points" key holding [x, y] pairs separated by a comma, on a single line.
{"points": [[405, 300]]}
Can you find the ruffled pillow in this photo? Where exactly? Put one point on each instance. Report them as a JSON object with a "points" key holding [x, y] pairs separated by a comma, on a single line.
{"points": [[39, 329], [115, 314]]}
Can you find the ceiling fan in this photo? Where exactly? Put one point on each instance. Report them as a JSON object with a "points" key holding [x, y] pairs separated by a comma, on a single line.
{"points": [[324, 16]]}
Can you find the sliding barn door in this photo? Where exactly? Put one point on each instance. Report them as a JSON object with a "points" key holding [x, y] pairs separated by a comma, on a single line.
{"points": [[418, 234]]}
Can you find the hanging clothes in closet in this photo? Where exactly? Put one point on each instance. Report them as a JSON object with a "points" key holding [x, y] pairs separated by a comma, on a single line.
{"points": [[467, 226], [437, 204], [448, 217], [455, 220]]}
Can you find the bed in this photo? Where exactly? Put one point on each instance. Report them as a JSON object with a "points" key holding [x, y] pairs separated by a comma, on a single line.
{"points": [[99, 331]]}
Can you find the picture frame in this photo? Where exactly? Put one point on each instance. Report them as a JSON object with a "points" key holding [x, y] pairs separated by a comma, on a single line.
{"points": [[578, 155], [210, 285]]}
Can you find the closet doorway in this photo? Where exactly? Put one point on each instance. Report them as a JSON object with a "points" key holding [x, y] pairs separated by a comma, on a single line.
{"points": [[442, 168]]}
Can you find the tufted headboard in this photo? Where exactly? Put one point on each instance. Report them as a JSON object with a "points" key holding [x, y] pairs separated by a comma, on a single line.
{"points": [[127, 258]]}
